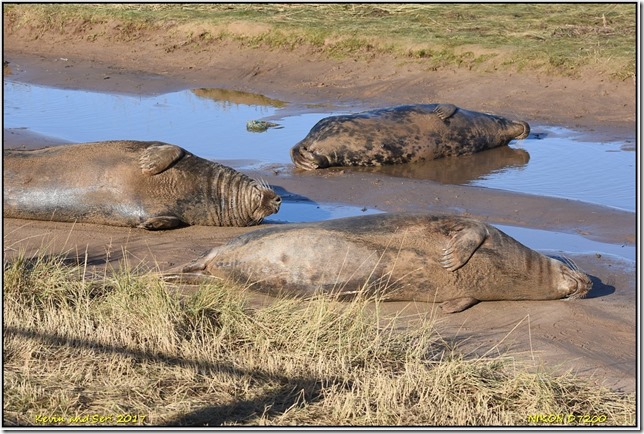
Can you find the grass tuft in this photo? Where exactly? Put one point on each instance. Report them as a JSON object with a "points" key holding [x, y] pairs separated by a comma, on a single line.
{"points": [[121, 344], [563, 39]]}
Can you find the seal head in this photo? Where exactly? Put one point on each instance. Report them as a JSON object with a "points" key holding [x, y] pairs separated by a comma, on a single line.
{"points": [[572, 282]]}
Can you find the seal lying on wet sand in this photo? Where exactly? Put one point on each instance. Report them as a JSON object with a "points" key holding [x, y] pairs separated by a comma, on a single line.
{"points": [[152, 185], [403, 134], [409, 257]]}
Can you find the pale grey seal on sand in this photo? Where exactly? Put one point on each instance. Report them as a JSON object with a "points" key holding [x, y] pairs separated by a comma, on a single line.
{"points": [[453, 260]]}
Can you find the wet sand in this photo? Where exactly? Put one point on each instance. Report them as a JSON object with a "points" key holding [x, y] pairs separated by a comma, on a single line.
{"points": [[594, 336]]}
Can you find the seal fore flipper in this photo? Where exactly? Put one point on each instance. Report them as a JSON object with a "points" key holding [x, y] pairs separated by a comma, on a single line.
{"points": [[444, 111], [157, 158], [458, 304], [466, 238], [160, 222]]}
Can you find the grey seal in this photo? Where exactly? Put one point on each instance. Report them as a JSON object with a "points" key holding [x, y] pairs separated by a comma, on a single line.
{"points": [[453, 260], [403, 134], [151, 185]]}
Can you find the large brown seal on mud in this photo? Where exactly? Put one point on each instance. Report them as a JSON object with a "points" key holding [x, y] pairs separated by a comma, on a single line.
{"points": [[410, 257], [403, 134], [152, 185]]}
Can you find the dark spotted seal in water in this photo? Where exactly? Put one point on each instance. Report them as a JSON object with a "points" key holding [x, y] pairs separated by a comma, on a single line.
{"points": [[403, 134], [152, 185], [410, 257]]}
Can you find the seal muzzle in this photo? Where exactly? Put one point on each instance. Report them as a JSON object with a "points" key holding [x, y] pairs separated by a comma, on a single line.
{"points": [[526, 130], [307, 160]]}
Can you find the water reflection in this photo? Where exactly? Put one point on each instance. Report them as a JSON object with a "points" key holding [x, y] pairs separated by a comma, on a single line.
{"points": [[208, 128], [227, 97], [565, 164], [458, 170]]}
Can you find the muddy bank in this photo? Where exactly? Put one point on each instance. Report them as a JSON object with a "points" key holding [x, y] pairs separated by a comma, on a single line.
{"points": [[594, 337]]}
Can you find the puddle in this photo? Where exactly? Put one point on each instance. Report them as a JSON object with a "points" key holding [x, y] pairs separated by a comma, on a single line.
{"points": [[563, 164], [202, 121], [294, 210], [549, 242], [212, 123], [552, 161], [300, 212]]}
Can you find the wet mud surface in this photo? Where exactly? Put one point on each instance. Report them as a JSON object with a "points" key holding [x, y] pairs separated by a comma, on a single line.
{"points": [[593, 336]]}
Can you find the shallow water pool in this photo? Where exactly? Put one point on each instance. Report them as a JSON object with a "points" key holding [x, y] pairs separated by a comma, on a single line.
{"points": [[552, 161]]}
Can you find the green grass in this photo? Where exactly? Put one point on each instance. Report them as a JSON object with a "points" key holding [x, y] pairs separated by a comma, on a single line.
{"points": [[85, 344], [563, 39]]}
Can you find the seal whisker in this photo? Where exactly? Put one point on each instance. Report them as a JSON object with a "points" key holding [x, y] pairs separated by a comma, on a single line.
{"points": [[567, 261], [572, 264]]}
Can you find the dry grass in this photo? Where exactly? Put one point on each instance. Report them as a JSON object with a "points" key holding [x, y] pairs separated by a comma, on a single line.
{"points": [[81, 345], [559, 38]]}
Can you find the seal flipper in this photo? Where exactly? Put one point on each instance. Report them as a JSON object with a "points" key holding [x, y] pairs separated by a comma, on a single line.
{"points": [[159, 157], [160, 223], [466, 238], [458, 304], [444, 111], [200, 264]]}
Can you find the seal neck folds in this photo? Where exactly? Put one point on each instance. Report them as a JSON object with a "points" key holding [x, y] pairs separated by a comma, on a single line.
{"points": [[237, 200]]}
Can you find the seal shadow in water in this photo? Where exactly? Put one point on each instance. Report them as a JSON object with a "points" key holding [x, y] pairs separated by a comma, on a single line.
{"points": [[456, 170]]}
